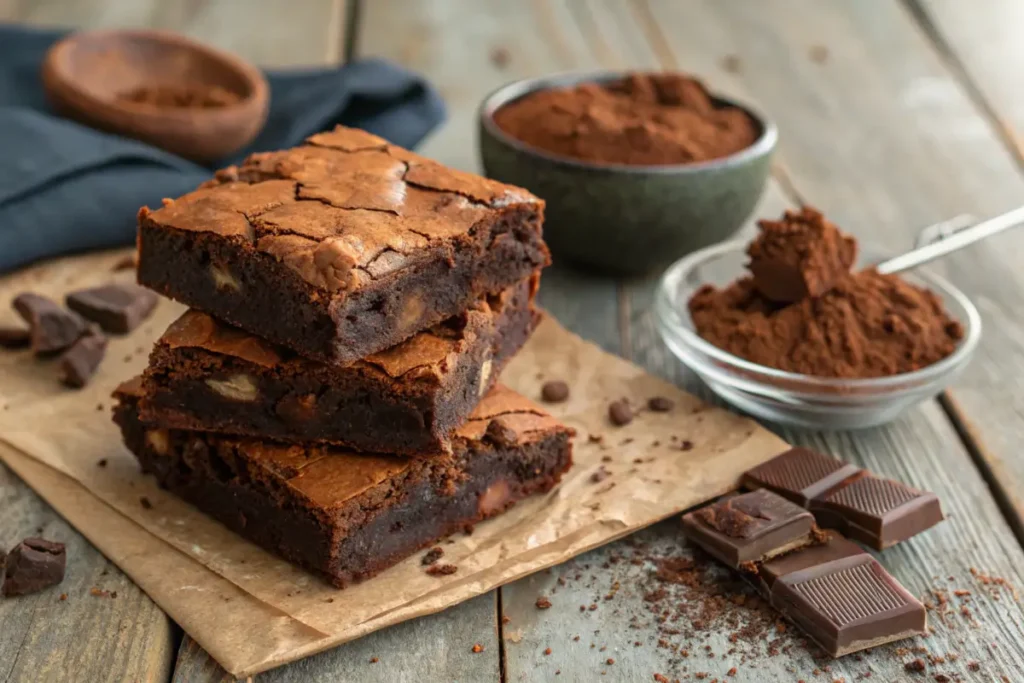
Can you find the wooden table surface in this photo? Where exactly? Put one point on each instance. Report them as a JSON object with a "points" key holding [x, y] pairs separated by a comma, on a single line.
{"points": [[893, 115]]}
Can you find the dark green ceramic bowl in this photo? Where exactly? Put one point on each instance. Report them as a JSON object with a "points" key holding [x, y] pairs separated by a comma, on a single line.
{"points": [[626, 219]]}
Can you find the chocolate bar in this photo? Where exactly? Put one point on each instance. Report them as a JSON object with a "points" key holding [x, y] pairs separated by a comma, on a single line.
{"points": [[874, 511], [751, 527], [877, 512], [842, 598], [800, 474]]}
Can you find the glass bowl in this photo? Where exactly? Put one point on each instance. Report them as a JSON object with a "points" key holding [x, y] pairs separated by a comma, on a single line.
{"points": [[790, 398]]}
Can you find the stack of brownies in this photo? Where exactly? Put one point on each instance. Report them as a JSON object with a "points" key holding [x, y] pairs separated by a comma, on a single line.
{"points": [[332, 394]]}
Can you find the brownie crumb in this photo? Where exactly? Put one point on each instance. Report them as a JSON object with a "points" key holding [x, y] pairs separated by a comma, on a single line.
{"points": [[660, 404], [543, 603], [686, 445], [144, 502], [374, 660], [500, 57], [442, 569], [600, 475], [554, 391], [432, 556], [102, 462], [506, 619], [63, 597], [915, 666], [595, 438], [477, 648], [609, 661], [620, 413], [942, 678], [547, 650]]}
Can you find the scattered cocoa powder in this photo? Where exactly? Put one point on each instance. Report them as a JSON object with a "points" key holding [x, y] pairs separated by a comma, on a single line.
{"points": [[866, 325], [642, 119], [184, 96]]}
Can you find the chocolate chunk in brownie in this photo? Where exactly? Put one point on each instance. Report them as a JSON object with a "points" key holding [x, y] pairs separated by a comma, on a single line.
{"points": [[117, 308], [51, 328], [345, 515], [408, 400], [33, 565], [341, 247], [79, 363]]}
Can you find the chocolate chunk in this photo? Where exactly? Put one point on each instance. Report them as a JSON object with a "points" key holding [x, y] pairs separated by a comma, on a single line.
{"points": [[33, 565], [117, 308], [660, 404], [750, 527], [832, 547], [800, 474], [14, 337], [554, 391], [51, 328], [620, 413], [848, 604], [877, 512], [78, 364]]}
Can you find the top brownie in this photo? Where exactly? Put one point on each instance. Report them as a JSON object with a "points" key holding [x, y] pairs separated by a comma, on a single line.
{"points": [[341, 247]]}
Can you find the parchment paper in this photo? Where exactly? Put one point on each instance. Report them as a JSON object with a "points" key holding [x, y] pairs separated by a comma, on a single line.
{"points": [[252, 611]]}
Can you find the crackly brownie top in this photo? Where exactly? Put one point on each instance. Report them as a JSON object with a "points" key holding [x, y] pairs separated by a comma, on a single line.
{"points": [[330, 476], [344, 208], [427, 356]]}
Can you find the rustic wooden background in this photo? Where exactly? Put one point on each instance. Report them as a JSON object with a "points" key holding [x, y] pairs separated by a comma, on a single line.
{"points": [[893, 115]]}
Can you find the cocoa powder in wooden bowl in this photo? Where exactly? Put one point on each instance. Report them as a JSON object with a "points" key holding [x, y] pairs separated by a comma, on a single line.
{"points": [[160, 88]]}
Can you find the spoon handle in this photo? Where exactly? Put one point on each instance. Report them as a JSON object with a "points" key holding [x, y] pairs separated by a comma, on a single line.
{"points": [[958, 240]]}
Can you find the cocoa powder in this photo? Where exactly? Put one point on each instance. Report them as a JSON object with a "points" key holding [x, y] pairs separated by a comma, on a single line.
{"points": [[184, 96], [642, 119], [866, 325]]}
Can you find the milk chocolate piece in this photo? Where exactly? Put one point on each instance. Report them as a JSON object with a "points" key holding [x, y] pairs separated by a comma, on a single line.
{"points": [[800, 474], [831, 548], [750, 527], [117, 308], [877, 512], [803, 255], [51, 328], [79, 363], [33, 565], [847, 603]]}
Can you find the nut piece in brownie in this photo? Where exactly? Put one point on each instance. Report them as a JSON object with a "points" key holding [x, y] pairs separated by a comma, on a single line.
{"points": [[349, 516], [406, 400], [341, 247]]}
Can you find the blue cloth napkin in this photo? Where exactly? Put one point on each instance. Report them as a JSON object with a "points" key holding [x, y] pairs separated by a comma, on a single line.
{"points": [[65, 187]]}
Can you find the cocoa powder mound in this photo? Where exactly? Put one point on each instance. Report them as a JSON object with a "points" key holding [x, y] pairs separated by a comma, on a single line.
{"points": [[866, 325], [640, 120]]}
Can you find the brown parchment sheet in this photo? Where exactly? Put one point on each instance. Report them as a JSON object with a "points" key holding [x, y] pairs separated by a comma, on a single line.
{"points": [[252, 611]]}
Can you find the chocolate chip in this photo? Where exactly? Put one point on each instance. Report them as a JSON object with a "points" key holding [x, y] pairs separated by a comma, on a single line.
{"points": [[51, 328], [554, 391], [620, 413], [78, 364], [660, 404], [14, 337], [117, 308], [33, 565]]}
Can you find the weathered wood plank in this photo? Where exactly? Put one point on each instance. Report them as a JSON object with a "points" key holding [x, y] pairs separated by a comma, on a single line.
{"points": [[83, 637], [277, 33], [435, 648], [983, 47]]}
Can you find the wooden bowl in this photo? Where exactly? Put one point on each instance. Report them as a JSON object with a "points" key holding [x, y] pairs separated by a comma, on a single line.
{"points": [[91, 77]]}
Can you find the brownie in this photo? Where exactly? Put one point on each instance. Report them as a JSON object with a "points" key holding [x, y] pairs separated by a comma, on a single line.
{"points": [[204, 375], [349, 516], [341, 247]]}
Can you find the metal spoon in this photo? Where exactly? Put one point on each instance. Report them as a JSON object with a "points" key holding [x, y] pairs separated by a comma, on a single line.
{"points": [[954, 240]]}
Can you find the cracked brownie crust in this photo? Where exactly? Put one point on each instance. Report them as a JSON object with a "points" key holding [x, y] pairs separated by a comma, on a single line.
{"points": [[349, 516], [342, 247], [204, 375]]}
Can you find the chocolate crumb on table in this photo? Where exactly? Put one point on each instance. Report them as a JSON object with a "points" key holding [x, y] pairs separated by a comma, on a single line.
{"points": [[554, 391], [543, 603], [80, 361], [477, 648], [145, 502], [660, 404], [341, 247], [432, 556], [33, 564]]}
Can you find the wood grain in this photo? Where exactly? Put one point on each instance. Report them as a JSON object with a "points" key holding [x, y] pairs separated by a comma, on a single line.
{"points": [[278, 33], [83, 637]]}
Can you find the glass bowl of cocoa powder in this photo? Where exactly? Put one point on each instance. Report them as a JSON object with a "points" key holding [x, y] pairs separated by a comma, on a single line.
{"points": [[792, 398]]}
